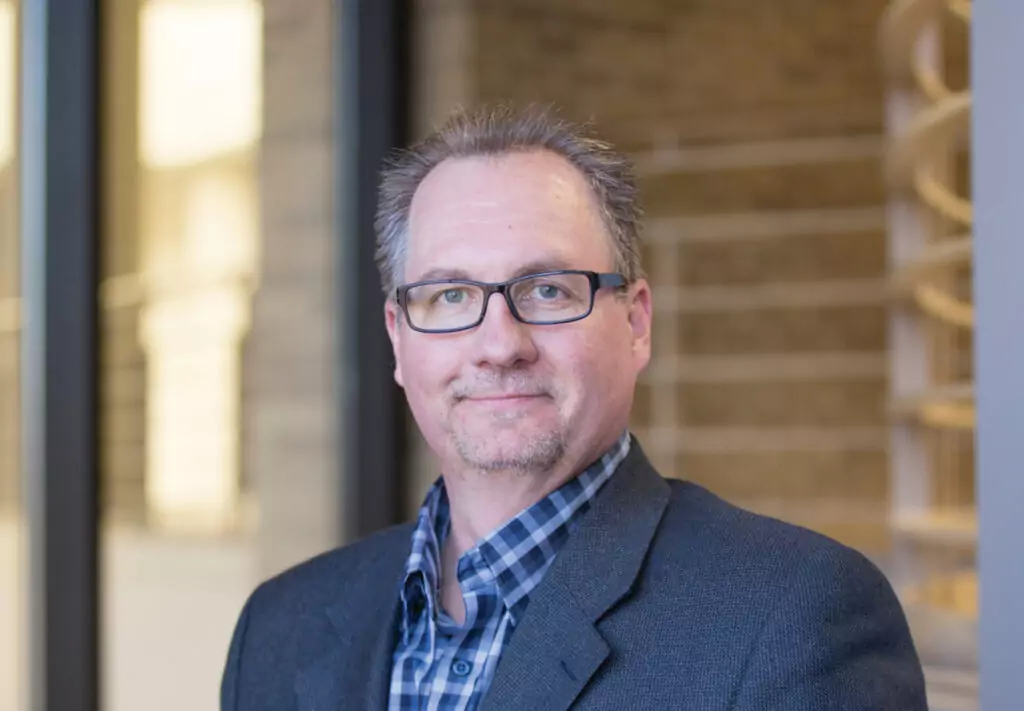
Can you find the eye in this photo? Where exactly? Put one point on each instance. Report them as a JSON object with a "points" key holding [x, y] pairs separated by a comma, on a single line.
{"points": [[453, 296], [547, 292]]}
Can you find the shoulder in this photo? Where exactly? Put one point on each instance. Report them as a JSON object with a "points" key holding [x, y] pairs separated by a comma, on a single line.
{"points": [[749, 547], [740, 598], [324, 579], [285, 624], [712, 558]]}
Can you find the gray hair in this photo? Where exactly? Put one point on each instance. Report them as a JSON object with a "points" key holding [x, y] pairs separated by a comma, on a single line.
{"points": [[491, 131]]}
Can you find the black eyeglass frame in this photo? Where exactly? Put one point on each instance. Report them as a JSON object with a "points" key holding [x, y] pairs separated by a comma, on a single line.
{"points": [[598, 280]]}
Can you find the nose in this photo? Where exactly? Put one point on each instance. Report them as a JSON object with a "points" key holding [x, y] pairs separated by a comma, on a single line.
{"points": [[501, 340]]}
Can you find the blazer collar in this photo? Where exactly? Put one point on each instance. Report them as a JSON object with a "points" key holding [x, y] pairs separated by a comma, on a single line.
{"points": [[557, 648]]}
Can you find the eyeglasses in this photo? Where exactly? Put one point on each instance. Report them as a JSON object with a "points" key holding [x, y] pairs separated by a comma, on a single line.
{"points": [[548, 298]]}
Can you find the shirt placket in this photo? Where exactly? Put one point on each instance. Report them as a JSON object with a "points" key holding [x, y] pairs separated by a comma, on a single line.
{"points": [[473, 640]]}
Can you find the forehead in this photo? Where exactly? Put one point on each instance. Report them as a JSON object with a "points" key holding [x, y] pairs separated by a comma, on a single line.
{"points": [[488, 216]]}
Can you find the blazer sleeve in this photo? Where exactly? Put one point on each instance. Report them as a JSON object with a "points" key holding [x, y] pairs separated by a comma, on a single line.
{"points": [[837, 639], [232, 667]]}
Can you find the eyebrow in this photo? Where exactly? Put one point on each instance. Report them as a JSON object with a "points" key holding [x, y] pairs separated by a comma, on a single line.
{"points": [[549, 264]]}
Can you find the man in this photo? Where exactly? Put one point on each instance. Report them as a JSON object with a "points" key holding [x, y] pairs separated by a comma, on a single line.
{"points": [[551, 566]]}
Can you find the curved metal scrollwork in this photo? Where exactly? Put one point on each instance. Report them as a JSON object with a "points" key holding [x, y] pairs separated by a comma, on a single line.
{"points": [[933, 409], [939, 128]]}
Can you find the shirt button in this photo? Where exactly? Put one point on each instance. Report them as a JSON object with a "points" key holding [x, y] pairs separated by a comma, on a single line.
{"points": [[460, 667]]}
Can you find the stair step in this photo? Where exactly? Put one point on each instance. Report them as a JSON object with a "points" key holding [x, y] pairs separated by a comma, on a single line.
{"points": [[672, 440], [799, 478], [774, 295], [791, 259], [770, 367], [782, 404], [758, 154], [761, 225], [854, 183], [855, 329], [786, 403]]}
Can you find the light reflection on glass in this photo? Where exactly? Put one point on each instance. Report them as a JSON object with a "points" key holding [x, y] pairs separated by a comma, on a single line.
{"points": [[199, 81], [200, 119], [7, 82]]}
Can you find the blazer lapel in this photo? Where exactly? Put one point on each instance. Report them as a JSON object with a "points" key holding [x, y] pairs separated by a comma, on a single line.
{"points": [[355, 673], [556, 648]]}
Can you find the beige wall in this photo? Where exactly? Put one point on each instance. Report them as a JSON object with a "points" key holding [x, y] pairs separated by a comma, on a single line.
{"points": [[290, 387]]}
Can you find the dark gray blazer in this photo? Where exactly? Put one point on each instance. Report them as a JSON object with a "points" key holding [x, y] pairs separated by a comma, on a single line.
{"points": [[666, 597]]}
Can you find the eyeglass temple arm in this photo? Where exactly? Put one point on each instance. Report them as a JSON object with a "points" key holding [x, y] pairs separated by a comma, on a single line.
{"points": [[612, 281]]}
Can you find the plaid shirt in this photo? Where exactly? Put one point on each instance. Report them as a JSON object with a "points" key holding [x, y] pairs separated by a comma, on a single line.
{"points": [[439, 665]]}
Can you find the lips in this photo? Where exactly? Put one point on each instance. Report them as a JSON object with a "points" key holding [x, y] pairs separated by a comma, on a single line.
{"points": [[496, 389], [504, 396], [503, 402]]}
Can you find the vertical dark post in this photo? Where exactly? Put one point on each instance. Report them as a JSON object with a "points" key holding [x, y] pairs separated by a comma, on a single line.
{"points": [[59, 131], [998, 154], [371, 117]]}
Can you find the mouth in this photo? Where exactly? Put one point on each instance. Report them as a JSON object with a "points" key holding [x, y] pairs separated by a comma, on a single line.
{"points": [[504, 397]]}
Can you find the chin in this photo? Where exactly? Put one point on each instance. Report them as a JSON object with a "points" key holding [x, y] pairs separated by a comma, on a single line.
{"points": [[537, 448]]}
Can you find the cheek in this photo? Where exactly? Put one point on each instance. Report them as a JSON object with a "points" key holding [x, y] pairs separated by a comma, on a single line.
{"points": [[610, 368], [590, 366], [422, 394], [425, 368]]}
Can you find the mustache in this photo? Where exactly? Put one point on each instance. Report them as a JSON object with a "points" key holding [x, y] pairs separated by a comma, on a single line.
{"points": [[489, 385]]}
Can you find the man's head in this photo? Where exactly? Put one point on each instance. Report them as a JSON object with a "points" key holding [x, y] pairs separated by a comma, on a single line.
{"points": [[491, 196]]}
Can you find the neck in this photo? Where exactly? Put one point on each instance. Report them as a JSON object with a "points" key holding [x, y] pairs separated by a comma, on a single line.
{"points": [[481, 502]]}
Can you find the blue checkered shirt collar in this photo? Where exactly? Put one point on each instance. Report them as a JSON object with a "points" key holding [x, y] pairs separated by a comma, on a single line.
{"points": [[518, 553]]}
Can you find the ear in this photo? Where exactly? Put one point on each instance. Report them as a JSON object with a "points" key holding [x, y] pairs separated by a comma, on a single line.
{"points": [[393, 323], [640, 321]]}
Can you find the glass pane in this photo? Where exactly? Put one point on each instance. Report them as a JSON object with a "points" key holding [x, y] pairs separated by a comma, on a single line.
{"points": [[12, 564], [183, 127]]}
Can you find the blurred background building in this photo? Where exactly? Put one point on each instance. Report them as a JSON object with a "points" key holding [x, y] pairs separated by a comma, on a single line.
{"points": [[806, 172]]}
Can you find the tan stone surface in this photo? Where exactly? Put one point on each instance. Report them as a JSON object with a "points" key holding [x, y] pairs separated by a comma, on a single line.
{"points": [[290, 442]]}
